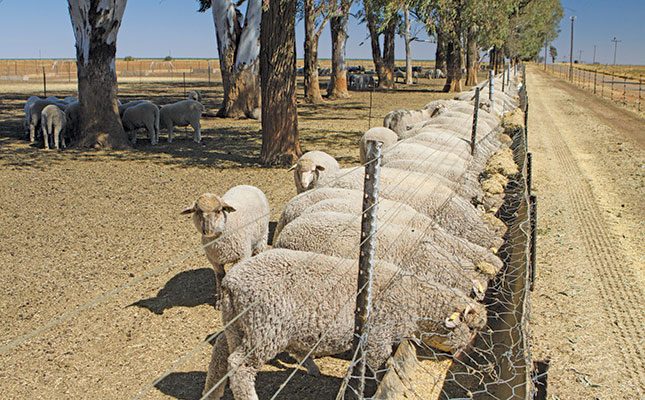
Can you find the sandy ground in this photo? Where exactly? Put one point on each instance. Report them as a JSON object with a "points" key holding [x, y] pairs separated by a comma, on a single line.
{"points": [[76, 225], [587, 308]]}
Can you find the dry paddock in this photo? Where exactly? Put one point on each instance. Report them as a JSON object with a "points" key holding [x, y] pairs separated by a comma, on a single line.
{"points": [[78, 224]]}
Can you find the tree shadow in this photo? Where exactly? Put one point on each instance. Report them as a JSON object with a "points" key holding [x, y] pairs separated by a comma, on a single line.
{"points": [[186, 289]]}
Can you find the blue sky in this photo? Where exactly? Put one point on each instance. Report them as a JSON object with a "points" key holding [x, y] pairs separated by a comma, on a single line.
{"points": [[157, 28]]}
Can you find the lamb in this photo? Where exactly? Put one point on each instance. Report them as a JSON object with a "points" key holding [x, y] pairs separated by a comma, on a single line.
{"points": [[123, 107], [182, 113], [195, 95], [400, 120], [310, 165], [338, 234], [28, 104], [53, 123], [385, 135], [142, 115], [235, 226], [297, 298]]}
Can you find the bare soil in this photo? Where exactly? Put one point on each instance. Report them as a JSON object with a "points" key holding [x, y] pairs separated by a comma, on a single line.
{"points": [[78, 224]]}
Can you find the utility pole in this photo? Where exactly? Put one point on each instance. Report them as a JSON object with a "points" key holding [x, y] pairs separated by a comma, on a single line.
{"points": [[594, 54], [571, 50], [615, 47], [580, 56]]}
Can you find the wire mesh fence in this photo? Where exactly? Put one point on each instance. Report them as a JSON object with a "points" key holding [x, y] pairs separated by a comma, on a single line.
{"points": [[450, 281], [626, 90]]}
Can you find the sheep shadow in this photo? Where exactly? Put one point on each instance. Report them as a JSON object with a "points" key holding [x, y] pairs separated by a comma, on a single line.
{"points": [[189, 385], [186, 289]]}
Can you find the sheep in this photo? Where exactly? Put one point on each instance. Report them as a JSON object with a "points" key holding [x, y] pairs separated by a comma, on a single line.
{"points": [[307, 169], [35, 111], [385, 135], [142, 115], [401, 120], [360, 82], [73, 117], [295, 299], [182, 113], [234, 226], [28, 104], [195, 95], [69, 100], [339, 234], [53, 123], [125, 106]]}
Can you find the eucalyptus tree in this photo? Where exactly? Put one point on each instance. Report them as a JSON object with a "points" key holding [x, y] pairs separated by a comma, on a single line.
{"points": [[533, 23], [96, 24], [382, 19], [316, 13], [238, 47], [338, 25]]}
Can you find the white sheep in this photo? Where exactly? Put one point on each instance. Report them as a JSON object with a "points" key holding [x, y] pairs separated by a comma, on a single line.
{"points": [[28, 104], [125, 106], [385, 135], [53, 123], [339, 234], [296, 299], [310, 166], [70, 99], [400, 120], [142, 115], [235, 226], [182, 113], [195, 95]]}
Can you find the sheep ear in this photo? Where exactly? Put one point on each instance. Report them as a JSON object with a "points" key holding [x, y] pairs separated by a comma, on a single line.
{"points": [[227, 208], [320, 168], [188, 210], [293, 167], [452, 321]]}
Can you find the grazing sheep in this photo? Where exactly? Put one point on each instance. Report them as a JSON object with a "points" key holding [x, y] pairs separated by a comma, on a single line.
{"points": [[401, 120], [182, 113], [195, 95], [53, 125], [123, 107], [69, 100], [142, 115], [73, 117], [310, 165], [385, 135], [360, 82], [235, 226], [295, 299], [35, 111], [339, 234]]}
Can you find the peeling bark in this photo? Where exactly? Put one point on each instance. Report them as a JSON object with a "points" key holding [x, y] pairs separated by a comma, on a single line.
{"points": [[312, 84], [96, 24], [384, 63], [440, 54], [280, 142], [408, 54], [453, 62], [471, 57]]}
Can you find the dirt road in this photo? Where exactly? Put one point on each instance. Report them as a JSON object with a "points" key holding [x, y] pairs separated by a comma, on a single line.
{"points": [[587, 309]]}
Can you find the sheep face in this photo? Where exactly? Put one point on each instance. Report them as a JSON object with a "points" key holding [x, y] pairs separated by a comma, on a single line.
{"points": [[209, 215], [306, 174], [458, 330]]}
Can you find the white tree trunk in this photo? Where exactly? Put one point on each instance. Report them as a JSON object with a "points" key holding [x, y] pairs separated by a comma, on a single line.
{"points": [[408, 53]]}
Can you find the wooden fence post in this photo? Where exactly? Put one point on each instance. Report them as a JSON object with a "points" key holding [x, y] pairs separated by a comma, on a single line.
{"points": [[366, 260], [44, 83]]}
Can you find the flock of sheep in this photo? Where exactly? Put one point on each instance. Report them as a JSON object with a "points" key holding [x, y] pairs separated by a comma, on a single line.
{"points": [[435, 247], [57, 120]]}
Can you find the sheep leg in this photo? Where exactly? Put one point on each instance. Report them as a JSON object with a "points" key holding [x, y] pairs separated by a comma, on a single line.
{"points": [[197, 134], [32, 133], [219, 275], [133, 140], [242, 380], [217, 369], [46, 138], [170, 127], [57, 139]]}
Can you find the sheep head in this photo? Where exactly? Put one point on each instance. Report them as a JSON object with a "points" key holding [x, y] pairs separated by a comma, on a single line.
{"points": [[457, 331], [209, 214], [306, 174]]}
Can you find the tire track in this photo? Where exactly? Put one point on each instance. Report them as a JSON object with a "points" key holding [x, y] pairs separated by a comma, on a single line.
{"points": [[622, 302]]}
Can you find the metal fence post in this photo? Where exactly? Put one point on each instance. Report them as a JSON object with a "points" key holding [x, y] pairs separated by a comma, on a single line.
{"points": [[44, 83], [503, 79], [625, 90], [640, 86], [491, 89], [612, 87], [595, 77], [475, 113], [533, 238], [529, 171], [366, 259]]}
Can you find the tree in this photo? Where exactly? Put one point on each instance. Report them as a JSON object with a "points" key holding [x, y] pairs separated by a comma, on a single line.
{"points": [[381, 20], [280, 142], [96, 25], [553, 52], [533, 23], [238, 47], [316, 15], [338, 25]]}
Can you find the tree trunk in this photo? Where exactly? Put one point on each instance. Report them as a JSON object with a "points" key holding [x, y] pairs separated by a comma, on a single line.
{"points": [[384, 64], [440, 54], [471, 57], [280, 142], [312, 85], [96, 25], [238, 53], [388, 53], [408, 53], [338, 82], [453, 62]]}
